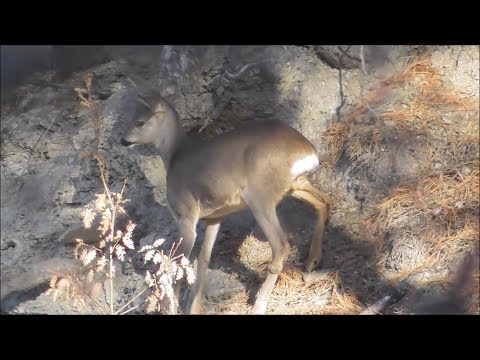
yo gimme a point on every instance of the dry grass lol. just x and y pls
(407, 103)
(255, 254)
(415, 125)
(426, 133)
(433, 221)
(323, 297)
(450, 199)
(235, 305)
(291, 295)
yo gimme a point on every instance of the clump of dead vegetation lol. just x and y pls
(411, 103)
(320, 293)
(98, 260)
(415, 139)
(165, 274)
(450, 199)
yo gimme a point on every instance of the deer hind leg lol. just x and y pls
(203, 261)
(303, 190)
(265, 213)
(187, 229)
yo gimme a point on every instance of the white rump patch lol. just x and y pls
(306, 164)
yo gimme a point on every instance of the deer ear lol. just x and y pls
(145, 102)
(150, 98)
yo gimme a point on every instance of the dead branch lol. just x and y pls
(377, 307)
(236, 75)
(264, 293)
(315, 276)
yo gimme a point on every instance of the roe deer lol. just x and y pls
(254, 166)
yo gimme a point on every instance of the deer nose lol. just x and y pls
(125, 142)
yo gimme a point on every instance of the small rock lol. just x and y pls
(466, 170)
(169, 91)
(321, 300)
(220, 90)
(220, 285)
(127, 268)
(459, 204)
(7, 244)
(147, 240)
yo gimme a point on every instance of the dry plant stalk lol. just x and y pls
(377, 307)
(166, 273)
(86, 100)
(99, 258)
(67, 286)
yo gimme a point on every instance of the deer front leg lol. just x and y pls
(203, 261)
(187, 229)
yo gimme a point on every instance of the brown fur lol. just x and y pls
(248, 167)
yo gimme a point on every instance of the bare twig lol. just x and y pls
(127, 311)
(123, 188)
(362, 57)
(174, 249)
(84, 95)
(98, 304)
(316, 276)
(377, 307)
(362, 84)
(343, 99)
(264, 294)
(110, 256)
(236, 75)
(133, 299)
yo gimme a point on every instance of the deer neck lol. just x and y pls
(168, 146)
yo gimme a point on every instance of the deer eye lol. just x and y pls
(140, 123)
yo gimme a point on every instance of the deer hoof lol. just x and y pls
(311, 264)
(275, 268)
